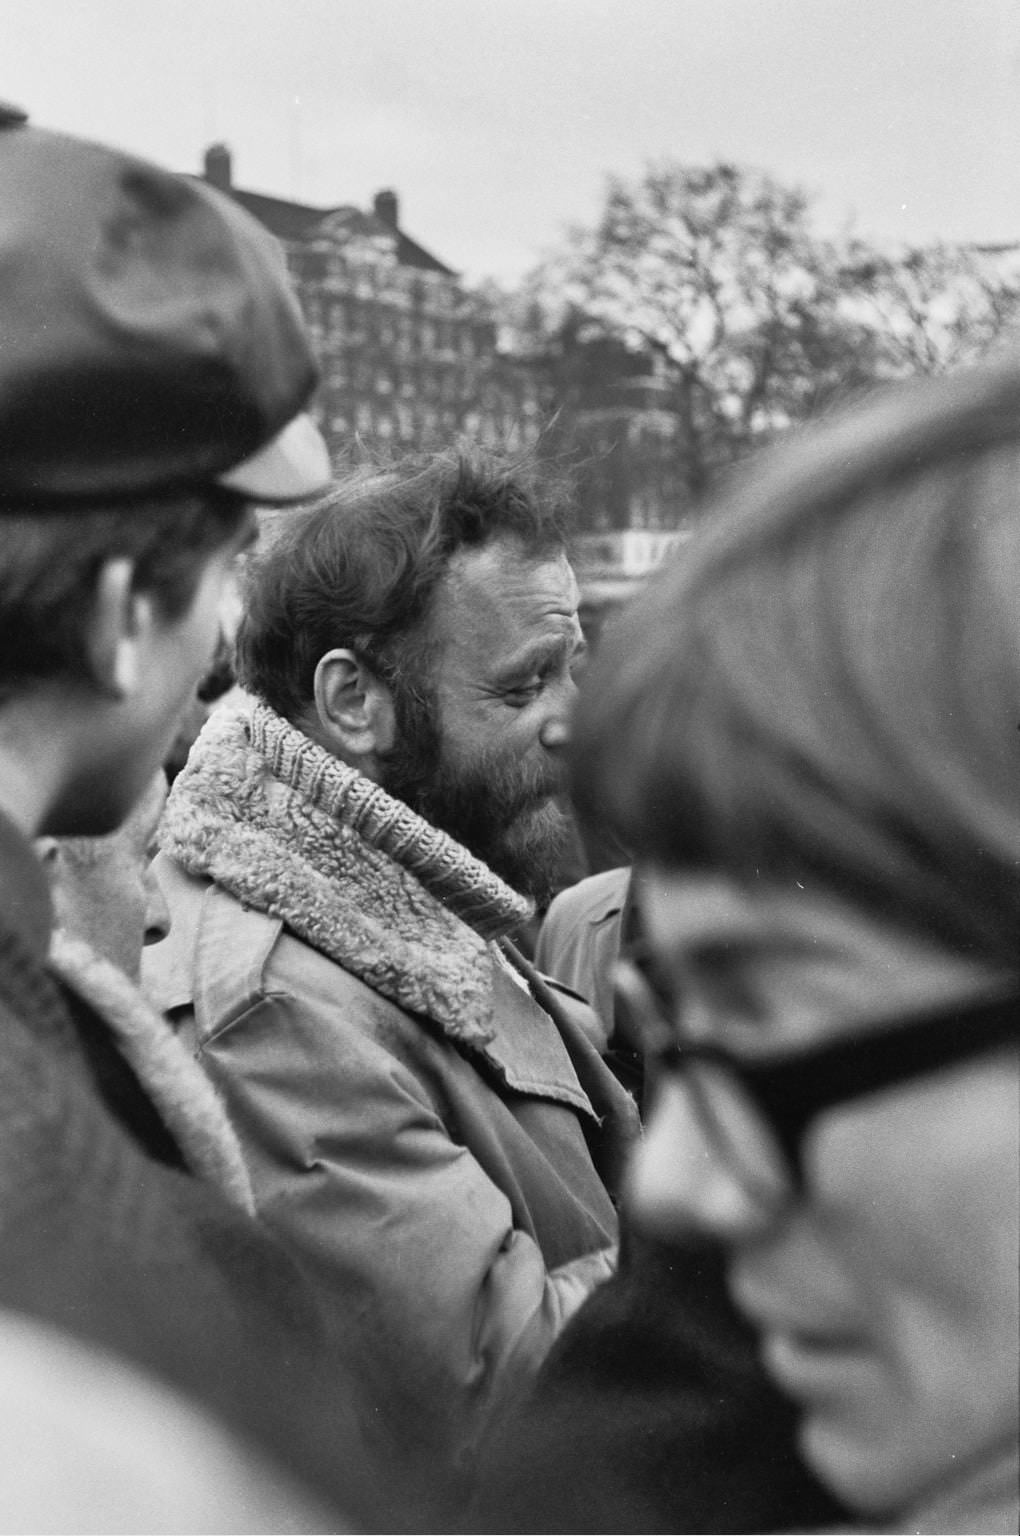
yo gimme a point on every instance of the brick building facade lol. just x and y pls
(408, 354)
(410, 360)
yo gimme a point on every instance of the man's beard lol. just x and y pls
(500, 809)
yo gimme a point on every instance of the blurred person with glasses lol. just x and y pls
(809, 733)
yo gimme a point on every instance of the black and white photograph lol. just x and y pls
(509, 767)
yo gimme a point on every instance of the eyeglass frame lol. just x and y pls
(790, 1088)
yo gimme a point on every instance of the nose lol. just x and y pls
(554, 732)
(157, 912)
(678, 1184)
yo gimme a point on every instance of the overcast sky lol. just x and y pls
(497, 121)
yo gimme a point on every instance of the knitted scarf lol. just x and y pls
(287, 828)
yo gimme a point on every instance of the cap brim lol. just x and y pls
(294, 466)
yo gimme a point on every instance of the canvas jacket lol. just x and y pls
(423, 1128)
(580, 938)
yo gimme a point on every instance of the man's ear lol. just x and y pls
(117, 626)
(354, 709)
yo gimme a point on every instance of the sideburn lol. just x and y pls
(409, 770)
(499, 811)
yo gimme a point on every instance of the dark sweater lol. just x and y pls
(101, 1237)
(652, 1414)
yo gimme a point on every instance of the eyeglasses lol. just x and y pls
(755, 1112)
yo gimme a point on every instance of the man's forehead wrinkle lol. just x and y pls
(499, 574)
(494, 601)
(555, 633)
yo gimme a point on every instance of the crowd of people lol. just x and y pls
(332, 1198)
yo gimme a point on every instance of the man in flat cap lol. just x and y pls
(153, 373)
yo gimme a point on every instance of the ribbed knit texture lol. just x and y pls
(463, 883)
(289, 830)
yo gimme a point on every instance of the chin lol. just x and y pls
(99, 803)
(877, 1471)
(530, 857)
(93, 817)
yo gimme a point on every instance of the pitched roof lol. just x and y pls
(298, 221)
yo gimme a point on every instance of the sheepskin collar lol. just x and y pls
(288, 829)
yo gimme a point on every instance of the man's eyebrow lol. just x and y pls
(544, 649)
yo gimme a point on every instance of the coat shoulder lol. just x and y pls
(216, 956)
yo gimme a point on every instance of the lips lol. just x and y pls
(805, 1343)
(536, 800)
(813, 1366)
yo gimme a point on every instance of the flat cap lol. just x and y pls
(150, 341)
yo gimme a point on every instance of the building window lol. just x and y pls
(405, 423)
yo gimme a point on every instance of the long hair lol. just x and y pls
(826, 689)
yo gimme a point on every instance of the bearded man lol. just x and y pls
(345, 858)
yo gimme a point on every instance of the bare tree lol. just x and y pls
(748, 319)
(932, 307)
(714, 271)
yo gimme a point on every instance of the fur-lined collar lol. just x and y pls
(287, 828)
(178, 1087)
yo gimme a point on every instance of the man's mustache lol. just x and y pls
(530, 796)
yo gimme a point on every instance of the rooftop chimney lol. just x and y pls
(218, 168)
(385, 207)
